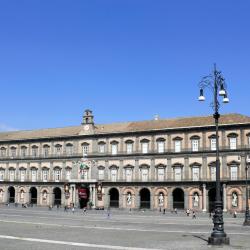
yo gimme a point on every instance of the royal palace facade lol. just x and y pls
(154, 164)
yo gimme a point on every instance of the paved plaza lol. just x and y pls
(39, 228)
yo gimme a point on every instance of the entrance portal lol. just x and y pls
(11, 191)
(57, 196)
(178, 198)
(145, 198)
(83, 194)
(113, 197)
(33, 195)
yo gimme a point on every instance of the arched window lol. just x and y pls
(3, 152)
(85, 148)
(195, 140)
(101, 147)
(177, 144)
(114, 147)
(23, 151)
(232, 139)
(129, 146)
(13, 151)
(160, 145)
(69, 149)
(58, 149)
(144, 146)
(34, 151)
(46, 150)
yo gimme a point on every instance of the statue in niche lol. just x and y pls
(45, 195)
(161, 199)
(22, 195)
(1, 194)
(129, 199)
(234, 200)
(196, 200)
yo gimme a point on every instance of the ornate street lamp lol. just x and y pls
(215, 82)
(247, 215)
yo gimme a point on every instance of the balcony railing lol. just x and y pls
(123, 153)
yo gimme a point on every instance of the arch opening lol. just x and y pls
(178, 198)
(114, 198)
(145, 198)
(11, 194)
(57, 196)
(33, 195)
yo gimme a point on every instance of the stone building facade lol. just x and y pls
(155, 164)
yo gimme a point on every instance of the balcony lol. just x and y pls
(122, 153)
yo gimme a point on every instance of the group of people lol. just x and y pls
(188, 211)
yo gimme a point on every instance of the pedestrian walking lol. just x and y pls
(188, 212)
(84, 210)
(194, 215)
(175, 210)
(164, 211)
(235, 214)
(73, 210)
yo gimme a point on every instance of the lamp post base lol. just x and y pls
(247, 218)
(218, 241)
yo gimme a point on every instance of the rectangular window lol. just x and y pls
(234, 172)
(161, 145)
(113, 174)
(195, 145)
(22, 175)
(177, 174)
(177, 146)
(161, 173)
(144, 147)
(196, 173)
(1, 175)
(33, 175)
(128, 174)
(213, 173)
(34, 151)
(23, 152)
(12, 175)
(232, 142)
(68, 174)
(58, 150)
(57, 174)
(129, 147)
(213, 143)
(69, 149)
(85, 149)
(46, 151)
(100, 174)
(13, 152)
(114, 149)
(45, 175)
(144, 174)
(102, 148)
(3, 152)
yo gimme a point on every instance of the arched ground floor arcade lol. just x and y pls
(155, 197)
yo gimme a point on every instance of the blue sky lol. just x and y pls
(126, 60)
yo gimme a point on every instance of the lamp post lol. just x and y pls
(247, 215)
(215, 81)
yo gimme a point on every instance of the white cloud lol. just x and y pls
(4, 127)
